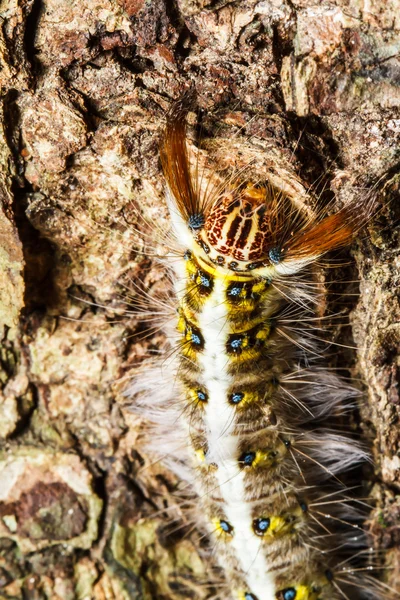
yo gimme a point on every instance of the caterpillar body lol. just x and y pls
(254, 421)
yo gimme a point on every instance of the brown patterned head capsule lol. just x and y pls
(237, 225)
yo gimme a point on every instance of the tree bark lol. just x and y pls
(85, 89)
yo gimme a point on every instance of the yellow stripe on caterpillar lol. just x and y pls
(299, 592)
(201, 455)
(270, 457)
(276, 525)
(249, 344)
(243, 399)
(305, 593)
(258, 322)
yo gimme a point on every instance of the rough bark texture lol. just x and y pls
(85, 87)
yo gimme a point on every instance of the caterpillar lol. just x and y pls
(244, 411)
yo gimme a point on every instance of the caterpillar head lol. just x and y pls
(238, 230)
(241, 227)
(237, 227)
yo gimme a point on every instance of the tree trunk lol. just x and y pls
(85, 89)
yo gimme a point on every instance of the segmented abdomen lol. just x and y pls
(243, 423)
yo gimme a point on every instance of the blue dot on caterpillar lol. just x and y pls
(195, 339)
(225, 526)
(201, 396)
(196, 221)
(236, 398)
(247, 458)
(261, 525)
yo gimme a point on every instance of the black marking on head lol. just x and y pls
(275, 255)
(230, 236)
(196, 222)
(247, 208)
(261, 210)
(246, 459)
(261, 525)
(236, 397)
(225, 526)
(205, 246)
(254, 265)
(242, 241)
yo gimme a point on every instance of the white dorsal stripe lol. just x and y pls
(223, 445)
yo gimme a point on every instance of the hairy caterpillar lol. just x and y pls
(253, 421)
